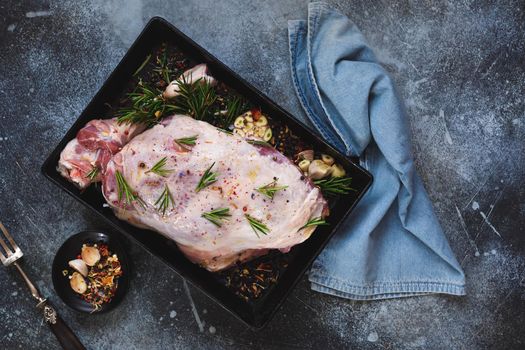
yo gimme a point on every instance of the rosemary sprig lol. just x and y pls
(93, 173)
(163, 69)
(225, 131)
(215, 216)
(125, 191)
(164, 201)
(195, 99)
(159, 168)
(234, 106)
(318, 221)
(147, 107)
(142, 65)
(270, 189)
(259, 143)
(187, 141)
(335, 185)
(207, 178)
(257, 226)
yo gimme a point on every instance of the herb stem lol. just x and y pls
(125, 191)
(269, 190)
(335, 185)
(164, 201)
(159, 168)
(318, 221)
(207, 178)
(215, 216)
(257, 226)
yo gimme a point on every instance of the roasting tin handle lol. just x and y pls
(64, 334)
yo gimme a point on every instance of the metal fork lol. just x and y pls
(64, 334)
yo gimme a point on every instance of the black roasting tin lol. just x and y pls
(289, 267)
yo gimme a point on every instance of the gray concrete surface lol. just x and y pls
(460, 66)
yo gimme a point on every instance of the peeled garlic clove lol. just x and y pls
(80, 266)
(263, 121)
(78, 283)
(304, 164)
(327, 159)
(239, 122)
(90, 255)
(318, 170)
(249, 118)
(308, 155)
(338, 171)
(267, 135)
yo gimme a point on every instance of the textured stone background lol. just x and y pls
(460, 66)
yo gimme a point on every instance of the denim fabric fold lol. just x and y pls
(392, 244)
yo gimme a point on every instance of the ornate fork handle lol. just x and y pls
(64, 334)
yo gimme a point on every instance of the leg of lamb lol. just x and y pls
(173, 201)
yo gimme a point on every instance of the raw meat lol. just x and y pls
(94, 146)
(241, 167)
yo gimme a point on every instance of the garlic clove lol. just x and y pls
(248, 126)
(304, 164)
(80, 266)
(239, 122)
(262, 121)
(327, 159)
(267, 135)
(338, 171)
(78, 283)
(260, 132)
(239, 132)
(249, 118)
(308, 155)
(90, 255)
(318, 169)
(172, 90)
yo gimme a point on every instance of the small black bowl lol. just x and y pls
(69, 251)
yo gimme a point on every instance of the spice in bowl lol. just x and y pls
(94, 274)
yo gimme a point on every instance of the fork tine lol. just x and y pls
(9, 238)
(2, 242)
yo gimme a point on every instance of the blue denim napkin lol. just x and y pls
(392, 244)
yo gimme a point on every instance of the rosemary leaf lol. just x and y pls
(187, 141)
(164, 201)
(215, 216)
(142, 65)
(207, 178)
(257, 226)
(147, 107)
(195, 99)
(259, 143)
(270, 189)
(125, 191)
(318, 221)
(335, 185)
(234, 106)
(159, 168)
(93, 173)
(225, 131)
